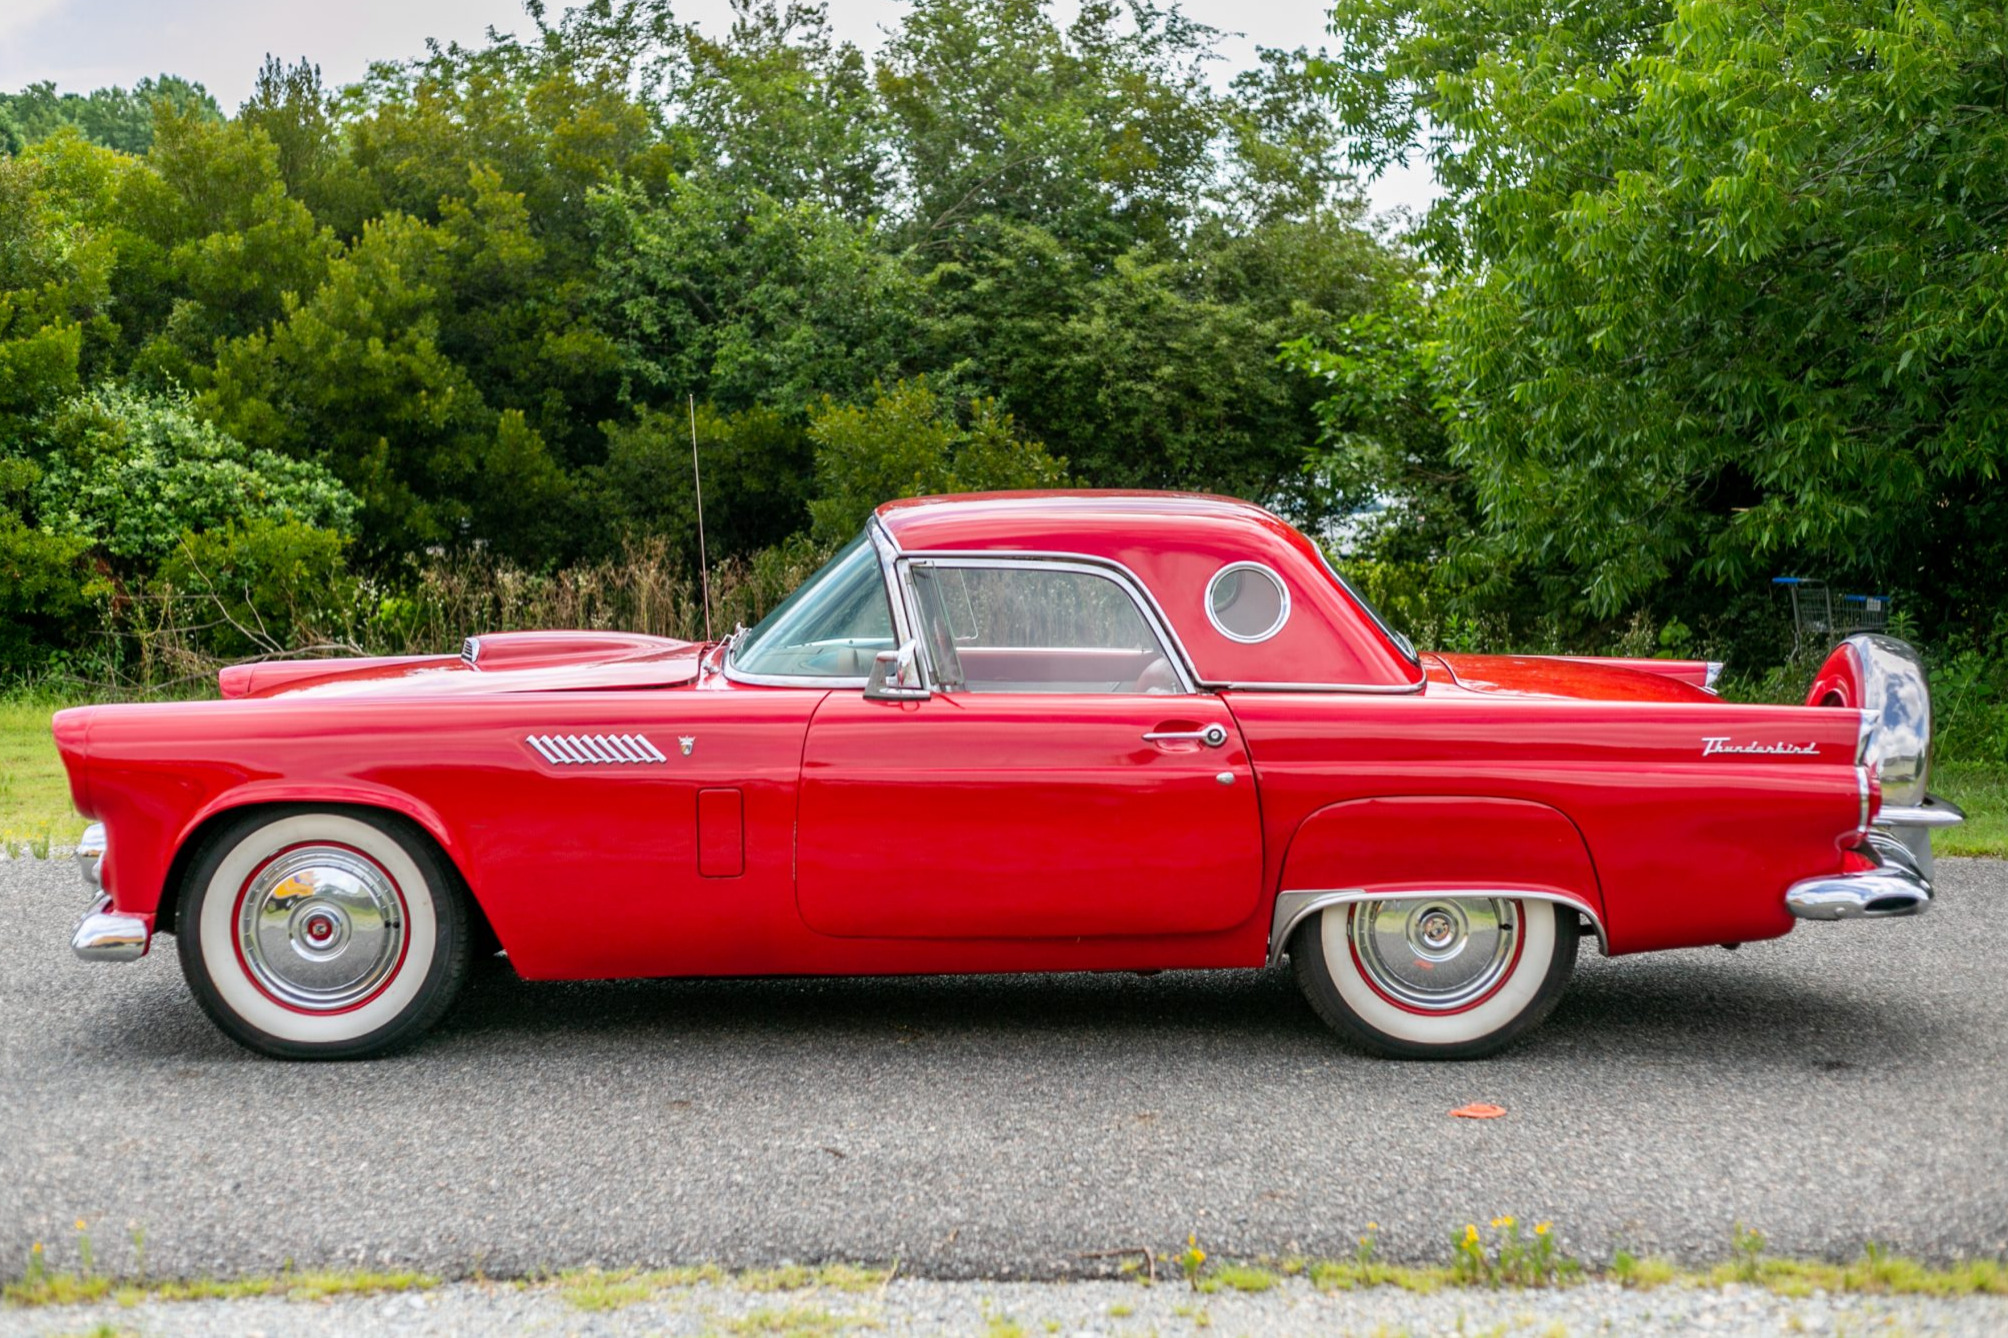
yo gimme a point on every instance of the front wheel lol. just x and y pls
(316, 934)
(1435, 977)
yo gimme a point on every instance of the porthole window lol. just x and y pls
(1247, 602)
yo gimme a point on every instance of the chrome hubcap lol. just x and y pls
(321, 928)
(1435, 954)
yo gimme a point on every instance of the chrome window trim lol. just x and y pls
(1293, 908)
(887, 552)
(1282, 591)
(1124, 579)
(1366, 689)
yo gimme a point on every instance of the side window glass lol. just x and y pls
(1034, 629)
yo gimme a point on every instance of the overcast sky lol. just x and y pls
(86, 44)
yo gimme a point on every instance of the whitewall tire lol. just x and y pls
(322, 933)
(1437, 977)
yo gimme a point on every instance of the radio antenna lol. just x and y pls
(697, 479)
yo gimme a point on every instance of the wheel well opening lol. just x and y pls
(167, 913)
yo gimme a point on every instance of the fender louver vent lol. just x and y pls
(470, 650)
(568, 750)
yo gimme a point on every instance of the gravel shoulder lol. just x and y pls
(1845, 1084)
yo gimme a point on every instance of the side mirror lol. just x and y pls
(895, 676)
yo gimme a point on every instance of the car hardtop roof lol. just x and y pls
(987, 519)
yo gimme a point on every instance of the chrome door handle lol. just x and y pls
(1212, 736)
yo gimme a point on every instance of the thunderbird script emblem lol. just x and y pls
(1721, 744)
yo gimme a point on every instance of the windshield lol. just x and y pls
(831, 627)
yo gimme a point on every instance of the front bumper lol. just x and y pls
(105, 935)
(1900, 883)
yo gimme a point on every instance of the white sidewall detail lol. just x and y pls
(217, 930)
(1511, 999)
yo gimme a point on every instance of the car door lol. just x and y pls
(1064, 779)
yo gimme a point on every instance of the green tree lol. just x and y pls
(911, 442)
(113, 118)
(758, 467)
(745, 300)
(354, 378)
(1725, 280)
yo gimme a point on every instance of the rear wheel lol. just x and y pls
(1435, 977)
(319, 934)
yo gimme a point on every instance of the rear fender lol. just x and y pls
(1410, 845)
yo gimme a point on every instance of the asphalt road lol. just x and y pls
(1847, 1083)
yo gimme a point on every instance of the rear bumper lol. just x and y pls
(1901, 881)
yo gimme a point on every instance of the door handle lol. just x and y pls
(1212, 736)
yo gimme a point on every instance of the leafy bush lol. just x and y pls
(266, 586)
(132, 473)
(41, 591)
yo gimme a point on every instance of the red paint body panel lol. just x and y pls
(1025, 817)
(808, 830)
(1687, 850)
(1411, 843)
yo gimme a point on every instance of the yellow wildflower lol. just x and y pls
(1470, 1233)
(36, 1248)
(80, 1224)
(1373, 1226)
(1542, 1229)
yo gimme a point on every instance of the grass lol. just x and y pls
(41, 1288)
(794, 1322)
(1982, 790)
(600, 1289)
(1875, 1273)
(1238, 1278)
(35, 811)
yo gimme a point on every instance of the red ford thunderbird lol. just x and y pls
(1013, 732)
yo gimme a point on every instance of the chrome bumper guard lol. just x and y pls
(104, 935)
(1900, 884)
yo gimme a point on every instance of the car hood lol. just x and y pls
(1554, 676)
(504, 662)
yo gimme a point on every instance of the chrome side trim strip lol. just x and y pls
(103, 935)
(1293, 908)
(1369, 689)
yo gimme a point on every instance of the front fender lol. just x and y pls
(1402, 845)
